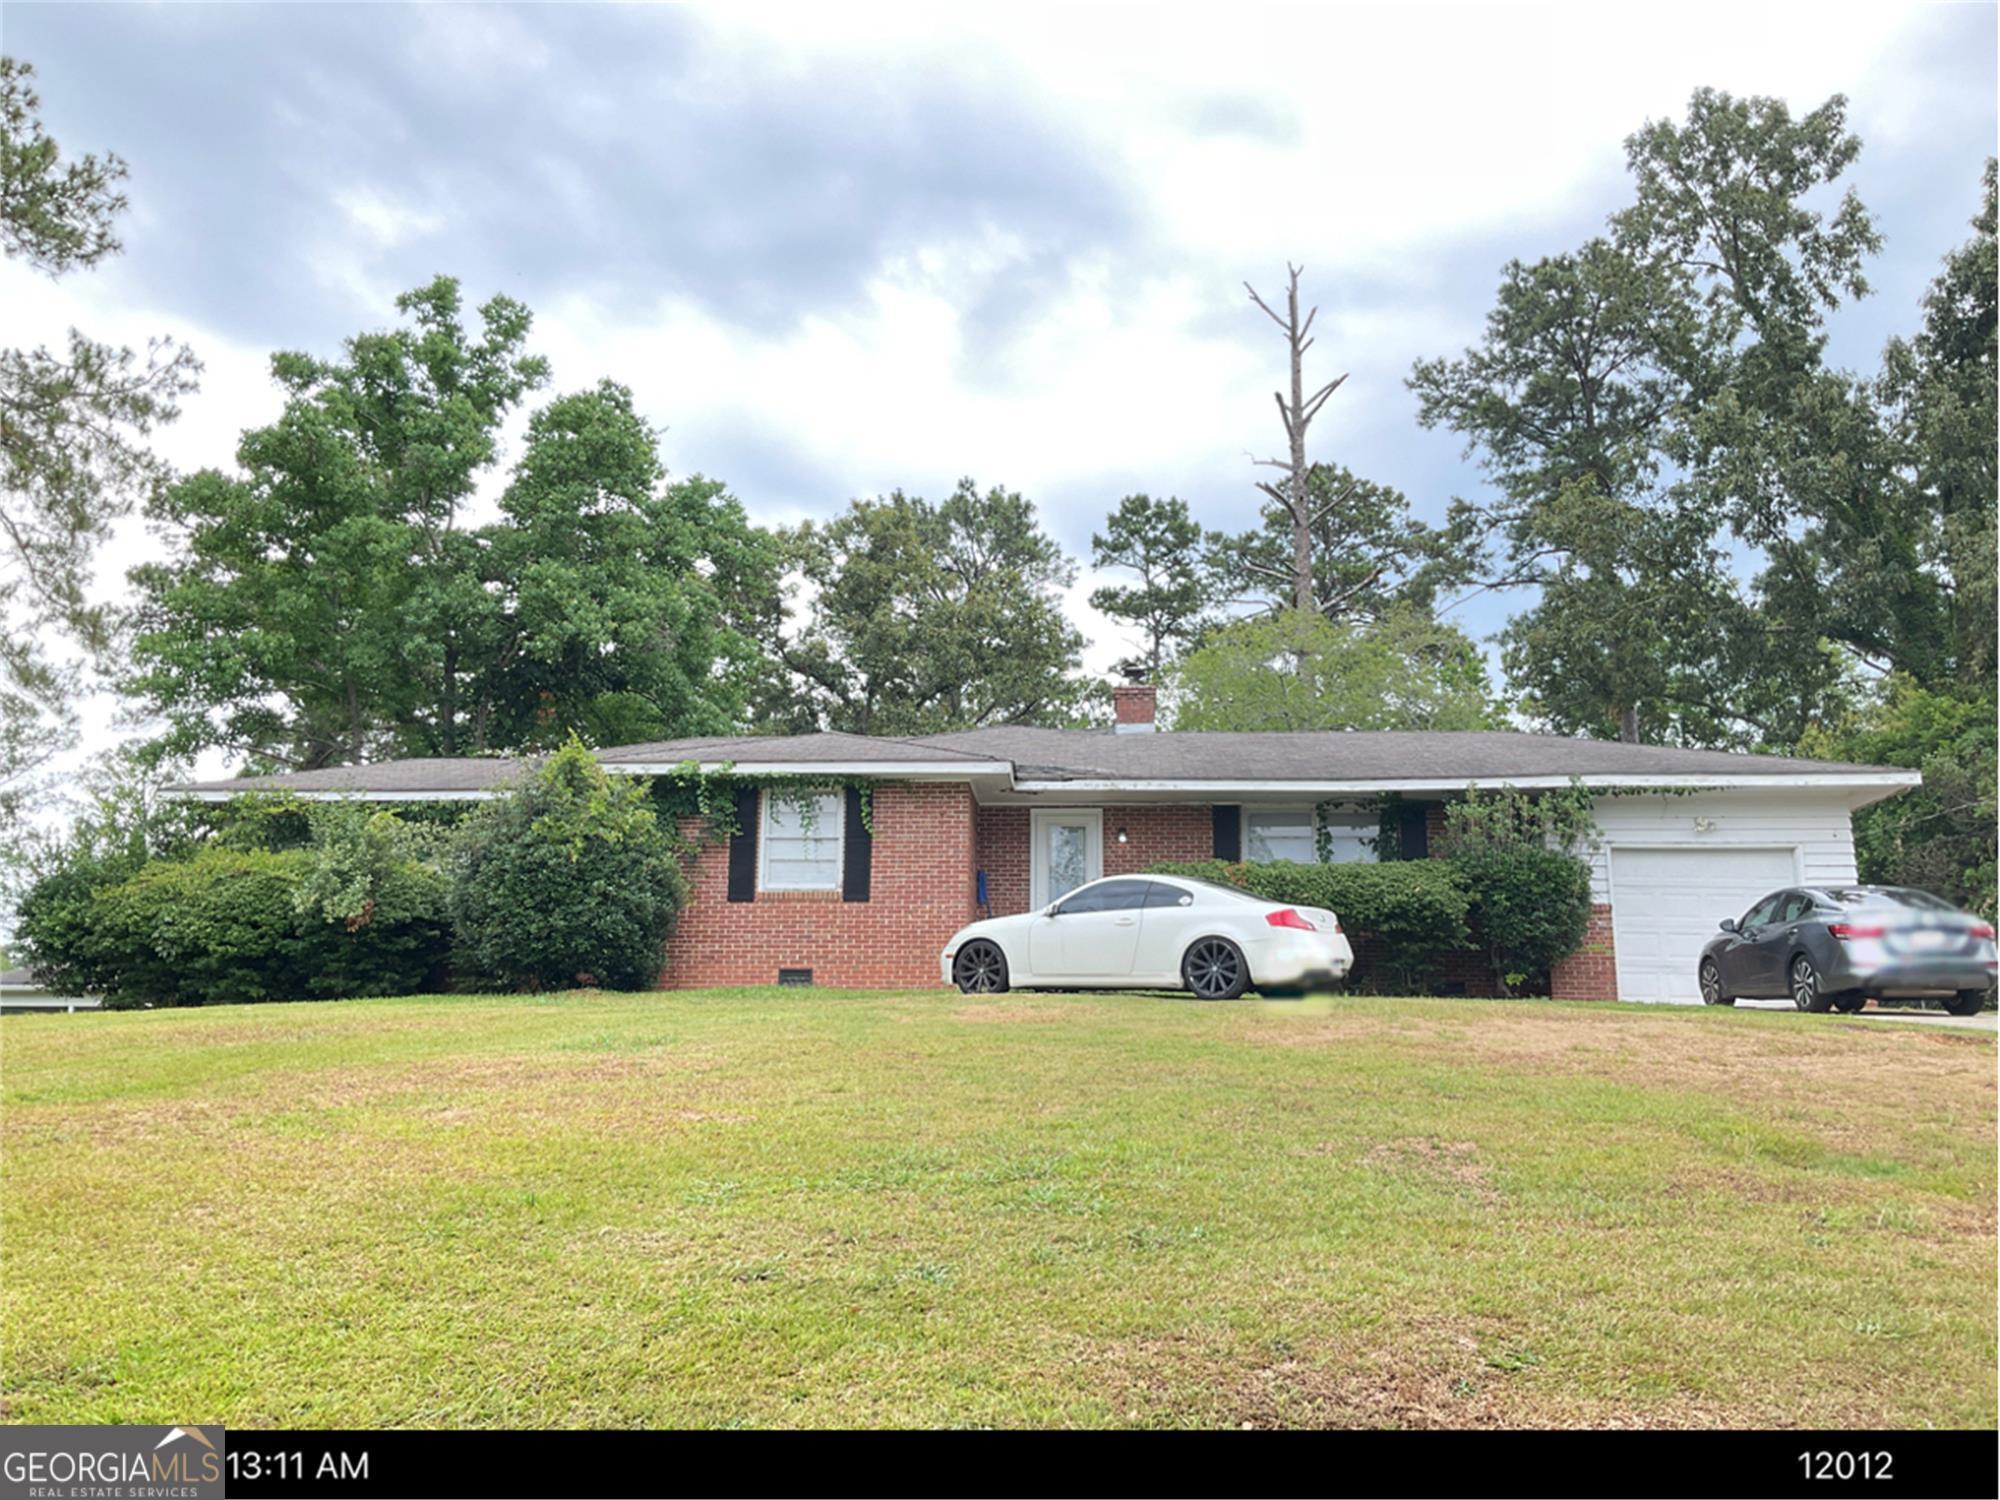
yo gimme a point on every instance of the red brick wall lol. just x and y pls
(1590, 973)
(929, 840)
(1460, 971)
(1157, 833)
(1153, 834)
(1000, 848)
(1433, 826)
(920, 893)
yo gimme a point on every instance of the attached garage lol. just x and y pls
(1665, 904)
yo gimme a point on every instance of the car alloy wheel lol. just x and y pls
(1214, 970)
(1711, 984)
(980, 969)
(1805, 986)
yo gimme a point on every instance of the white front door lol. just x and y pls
(1666, 904)
(1068, 851)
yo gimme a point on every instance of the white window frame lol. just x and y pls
(1310, 813)
(838, 819)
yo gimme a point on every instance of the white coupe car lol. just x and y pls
(1152, 932)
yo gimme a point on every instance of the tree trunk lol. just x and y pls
(1628, 724)
(448, 704)
(1295, 427)
(354, 725)
(1297, 414)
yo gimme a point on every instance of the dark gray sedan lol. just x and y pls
(1836, 947)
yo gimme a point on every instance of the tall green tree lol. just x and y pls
(309, 598)
(1568, 400)
(1665, 382)
(1177, 588)
(1370, 554)
(333, 601)
(624, 606)
(73, 430)
(1905, 579)
(1640, 630)
(1729, 197)
(1299, 670)
(1940, 836)
(1906, 556)
(920, 617)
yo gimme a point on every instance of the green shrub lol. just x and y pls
(1522, 861)
(228, 927)
(568, 880)
(1416, 909)
(1530, 907)
(218, 929)
(122, 825)
(232, 920)
(56, 918)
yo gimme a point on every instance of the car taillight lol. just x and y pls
(1289, 918)
(1980, 930)
(1846, 930)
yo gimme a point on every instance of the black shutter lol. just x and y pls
(743, 847)
(858, 844)
(1413, 834)
(1228, 832)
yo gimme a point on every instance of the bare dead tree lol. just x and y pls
(1297, 414)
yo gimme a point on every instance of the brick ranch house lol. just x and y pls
(989, 822)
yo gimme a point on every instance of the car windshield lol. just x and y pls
(1889, 895)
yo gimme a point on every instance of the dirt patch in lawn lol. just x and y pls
(1453, 1163)
(653, 1086)
(1443, 1376)
(1749, 1063)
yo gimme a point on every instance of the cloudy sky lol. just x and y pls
(837, 249)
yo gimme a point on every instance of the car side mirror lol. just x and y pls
(1051, 909)
(1728, 924)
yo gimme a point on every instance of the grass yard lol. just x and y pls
(768, 1208)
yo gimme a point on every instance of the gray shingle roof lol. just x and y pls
(1335, 755)
(406, 777)
(1054, 755)
(783, 749)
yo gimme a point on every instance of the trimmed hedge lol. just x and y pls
(225, 927)
(1417, 909)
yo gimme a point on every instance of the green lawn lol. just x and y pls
(774, 1208)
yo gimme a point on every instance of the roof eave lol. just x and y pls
(915, 770)
(1000, 771)
(1594, 781)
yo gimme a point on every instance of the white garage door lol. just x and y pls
(1665, 904)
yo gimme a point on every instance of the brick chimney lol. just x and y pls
(1133, 705)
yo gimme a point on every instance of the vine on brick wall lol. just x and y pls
(687, 791)
(1388, 840)
(1322, 827)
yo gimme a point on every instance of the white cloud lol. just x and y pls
(383, 221)
(1371, 141)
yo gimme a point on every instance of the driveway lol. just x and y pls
(1986, 1020)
